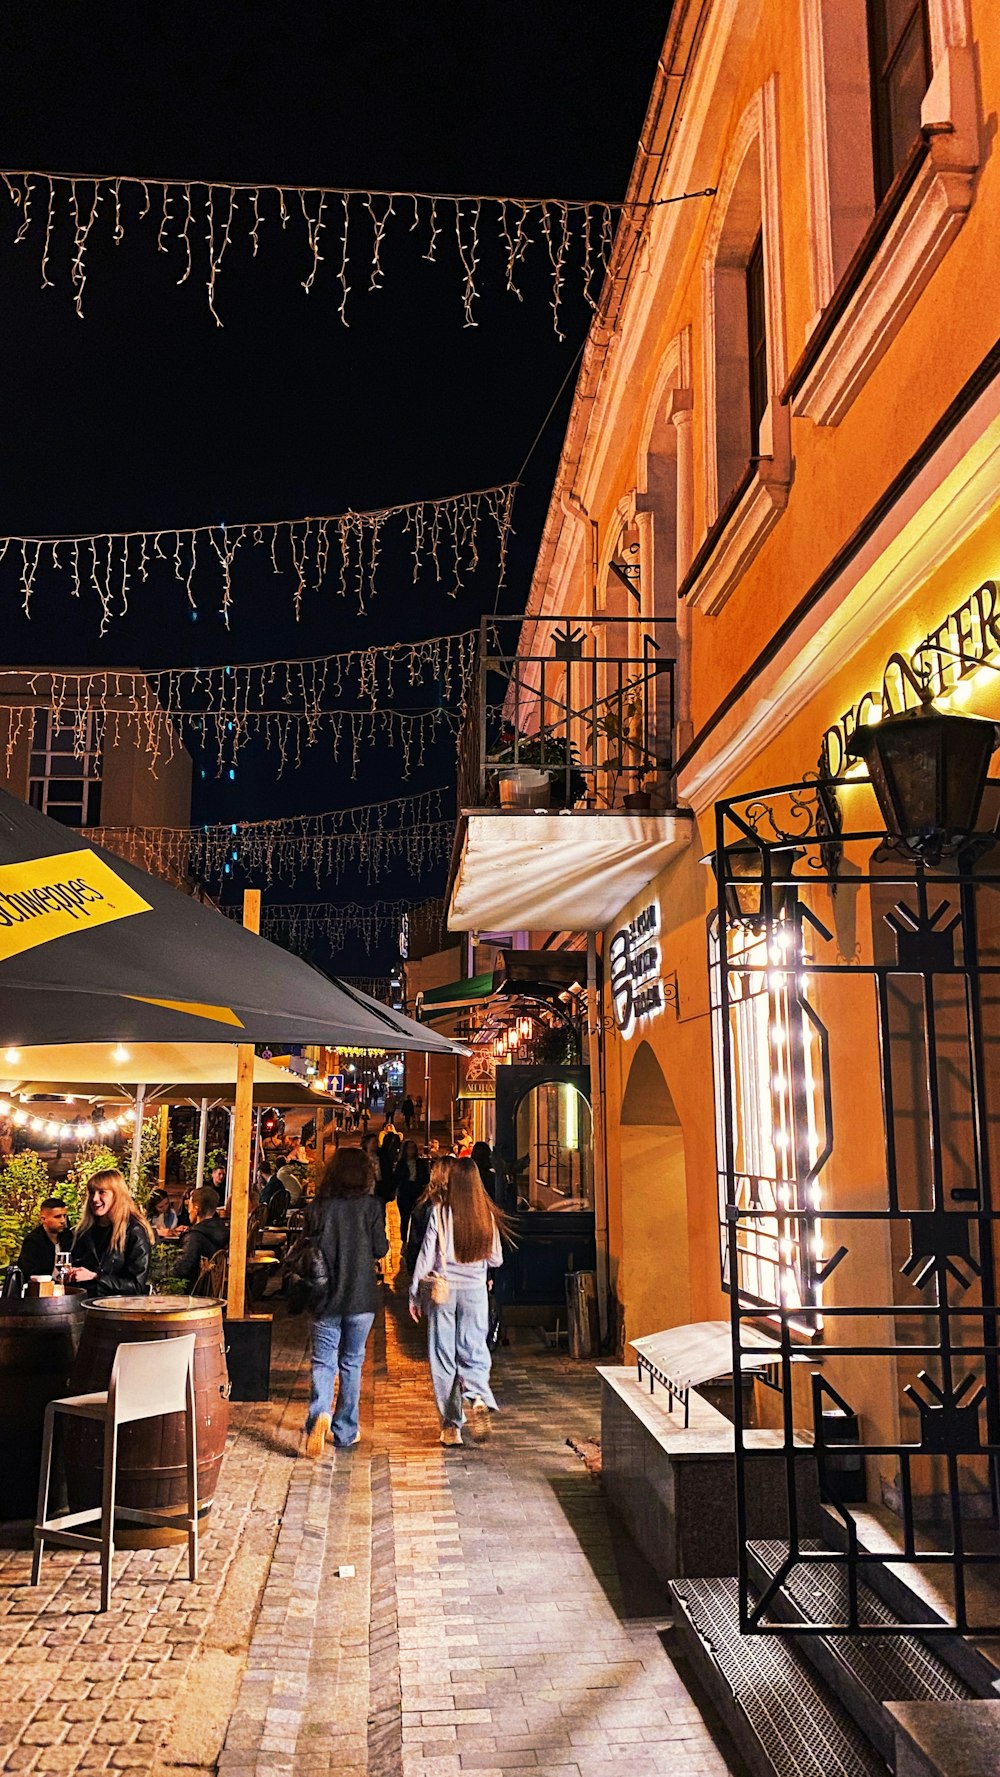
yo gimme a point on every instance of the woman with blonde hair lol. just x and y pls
(113, 1239)
(461, 1244)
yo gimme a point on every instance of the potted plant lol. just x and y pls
(616, 740)
(641, 798)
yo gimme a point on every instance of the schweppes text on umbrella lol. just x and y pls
(46, 898)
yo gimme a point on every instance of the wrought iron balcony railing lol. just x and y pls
(582, 711)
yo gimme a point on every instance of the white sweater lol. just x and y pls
(438, 1242)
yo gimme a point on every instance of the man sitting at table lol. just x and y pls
(53, 1234)
(208, 1235)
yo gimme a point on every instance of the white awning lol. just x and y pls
(570, 870)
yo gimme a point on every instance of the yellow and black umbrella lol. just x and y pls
(94, 950)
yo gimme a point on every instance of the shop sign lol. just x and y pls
(478, 1075)
(969, 638)
(634, 970)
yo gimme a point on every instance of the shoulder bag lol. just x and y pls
(438, 1286)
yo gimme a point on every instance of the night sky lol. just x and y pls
(145, 414)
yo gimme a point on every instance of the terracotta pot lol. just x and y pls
(638, 800)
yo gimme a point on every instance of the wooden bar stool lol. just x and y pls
(148, 1379)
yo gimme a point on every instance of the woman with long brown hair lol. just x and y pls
(346, 1225)
(461, 1245)
(113, 1240)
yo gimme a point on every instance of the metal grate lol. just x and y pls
(894, 1669)
(803, 1731)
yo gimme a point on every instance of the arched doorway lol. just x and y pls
(654, 1283)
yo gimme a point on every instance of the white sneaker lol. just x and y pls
(450, 1436)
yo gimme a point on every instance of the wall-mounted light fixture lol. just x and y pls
(928, 770)
(744, 876)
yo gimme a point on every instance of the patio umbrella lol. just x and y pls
(203, 1074)
(93, 949)
(172, 1073)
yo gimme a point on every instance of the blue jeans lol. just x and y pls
(338, 1347)
(458, 1351)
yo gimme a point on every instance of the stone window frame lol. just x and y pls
(869, 266)
(738, 522)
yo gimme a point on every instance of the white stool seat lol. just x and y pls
(89, 1406)
(148, 1380)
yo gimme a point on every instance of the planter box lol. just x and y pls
(248, 1357)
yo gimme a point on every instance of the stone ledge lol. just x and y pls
(675, 1488)
(947, 1739)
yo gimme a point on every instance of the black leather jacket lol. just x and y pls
(124, 1273)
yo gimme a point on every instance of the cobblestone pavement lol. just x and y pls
(152, 1682)
(496, 1620)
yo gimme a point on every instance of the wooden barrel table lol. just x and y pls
(38, 1341)
(151, 1465)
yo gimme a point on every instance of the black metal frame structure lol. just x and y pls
(547, 704)
(880, 1270)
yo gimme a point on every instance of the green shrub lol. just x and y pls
(24, 1185)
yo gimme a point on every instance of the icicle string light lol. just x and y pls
(575, 233)
(297, 925)
(339, 551)
(370, 838)
(189, 210)
(293, 704)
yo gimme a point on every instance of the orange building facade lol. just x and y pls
(782, 464)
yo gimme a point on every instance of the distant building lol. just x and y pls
(81, 767)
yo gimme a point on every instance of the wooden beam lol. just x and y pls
(239, 1184)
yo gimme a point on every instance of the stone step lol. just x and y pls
(786, 1721)
(865, 1671)
(923, 1591)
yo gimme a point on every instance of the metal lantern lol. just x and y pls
(928, 771)
(744, 879)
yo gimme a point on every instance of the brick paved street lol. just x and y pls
(495, 1621)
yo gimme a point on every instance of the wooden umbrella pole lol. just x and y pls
(140, 1108)
(239, 1184)
(199, 1177)
(161, 1171)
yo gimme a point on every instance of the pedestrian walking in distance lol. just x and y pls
(410, 1181)
(461, 1244)
(346, 1226)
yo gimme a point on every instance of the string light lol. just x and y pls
(275, 850)
(197, 220)
(291, 704)
(59, 1132)
(338, 552)
(297, 925)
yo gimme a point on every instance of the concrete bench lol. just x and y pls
(675, 1487)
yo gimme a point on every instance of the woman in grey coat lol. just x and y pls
(347, 1225)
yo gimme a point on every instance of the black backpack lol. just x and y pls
(307, 1279)
(278, 1205)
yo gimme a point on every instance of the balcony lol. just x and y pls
(566, 791)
